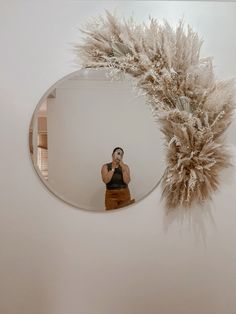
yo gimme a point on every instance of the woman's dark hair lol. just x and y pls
(117, 149)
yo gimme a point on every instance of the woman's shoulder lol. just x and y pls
(126, 165)
(107, 164)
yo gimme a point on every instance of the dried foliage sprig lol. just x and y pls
(192, 107)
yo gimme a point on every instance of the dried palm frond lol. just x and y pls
(193, 109)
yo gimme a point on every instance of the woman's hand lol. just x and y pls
(115, 164)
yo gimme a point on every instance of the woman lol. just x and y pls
(116, 176)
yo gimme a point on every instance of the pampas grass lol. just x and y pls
(192, 108)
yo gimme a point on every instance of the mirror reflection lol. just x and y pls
(94, 142)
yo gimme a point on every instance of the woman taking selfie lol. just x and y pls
(116, 176)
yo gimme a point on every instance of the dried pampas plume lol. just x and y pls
(192, 107)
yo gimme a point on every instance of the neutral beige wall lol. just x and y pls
(55, 259)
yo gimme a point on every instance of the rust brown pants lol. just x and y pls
(117, 198)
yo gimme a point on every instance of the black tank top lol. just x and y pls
(116, 181)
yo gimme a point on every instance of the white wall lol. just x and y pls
(55, 259)
(89, 117)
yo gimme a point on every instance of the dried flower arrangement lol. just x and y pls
(192, 108)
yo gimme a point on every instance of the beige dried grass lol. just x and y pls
(192, 107)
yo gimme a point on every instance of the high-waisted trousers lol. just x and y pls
(117, 198)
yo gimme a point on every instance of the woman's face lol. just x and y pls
(118, 154)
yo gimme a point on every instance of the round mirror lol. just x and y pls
(94, 142)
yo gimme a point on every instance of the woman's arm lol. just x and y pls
(125, 172)
(106, 175)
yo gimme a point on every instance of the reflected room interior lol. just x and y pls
(74, 129)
